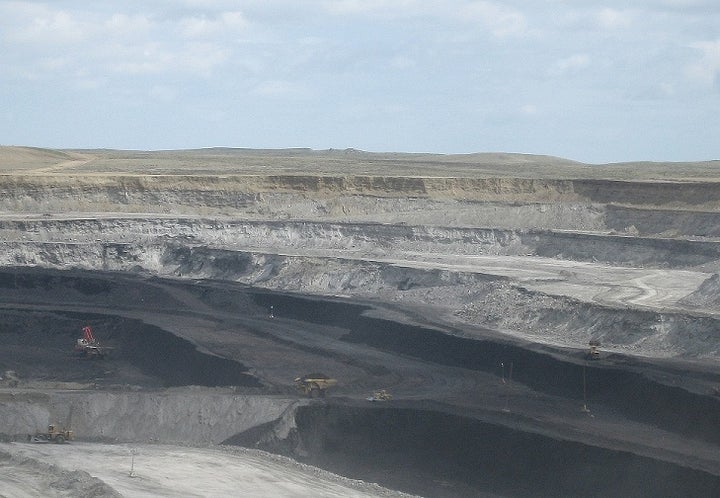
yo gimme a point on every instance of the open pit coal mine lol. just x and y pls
(469, 288)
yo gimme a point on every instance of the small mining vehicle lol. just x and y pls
(52, 435)
(594, 351)
(9, 379)
(314, 384)
(88, 346)
(381, 395)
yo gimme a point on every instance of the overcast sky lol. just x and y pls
(595, 81)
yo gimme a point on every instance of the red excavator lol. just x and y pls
(88, 346)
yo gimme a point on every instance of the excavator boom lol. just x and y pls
(88, 346)
(88, 334)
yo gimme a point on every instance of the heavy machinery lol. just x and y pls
(88, 346)
(52, 435)
(381, 395)
(314, 384)
(9, 379)
(594, 351)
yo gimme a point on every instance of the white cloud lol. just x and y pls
(464, 55)
(39, 24)
(609, 18)
(165, 93)
(86, 84)
(152, 58)
(202, 26)
(205, 5)
(125, 26)
(570, 64)
(385, 8)
(139, 59)
(685, 4)
(707, 69)
(114, 42)
(667, 89)
(590, 20)
(200, 58)
(402, 62)
(499, 19)
(198, 26)
(53, 63)
(529, 109)
(502, 21)
(275, 88)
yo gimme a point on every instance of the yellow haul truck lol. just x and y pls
(314, 384)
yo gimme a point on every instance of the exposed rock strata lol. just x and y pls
(487, 257)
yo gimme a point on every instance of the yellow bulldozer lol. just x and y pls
(52, 435)
(314, 384)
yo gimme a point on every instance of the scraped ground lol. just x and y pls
(158, 470)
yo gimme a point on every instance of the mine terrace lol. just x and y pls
(366, 324)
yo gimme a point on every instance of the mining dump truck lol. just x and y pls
(88, 346)
(52, 435)
(314, 384)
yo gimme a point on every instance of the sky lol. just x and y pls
(593, 81)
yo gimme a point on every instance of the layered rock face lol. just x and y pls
(539, 248)
(469, 286)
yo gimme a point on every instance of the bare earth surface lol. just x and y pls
(158, 470)
(468, 286)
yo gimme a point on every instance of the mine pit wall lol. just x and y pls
(576, 322)
(431, 450)
(668, 222)
(631, 391)
(491, 202)
(635, 389)
(627, 390)
(443, 455)
(477, 299)
(648, 193)
(188, 189)
(185, 415)
(349, 239)
(624, 249)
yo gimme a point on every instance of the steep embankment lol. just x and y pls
(184, 416)
(635, 294)
(230, 194)
(569, 254)
(536, 247)
(437, 454)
